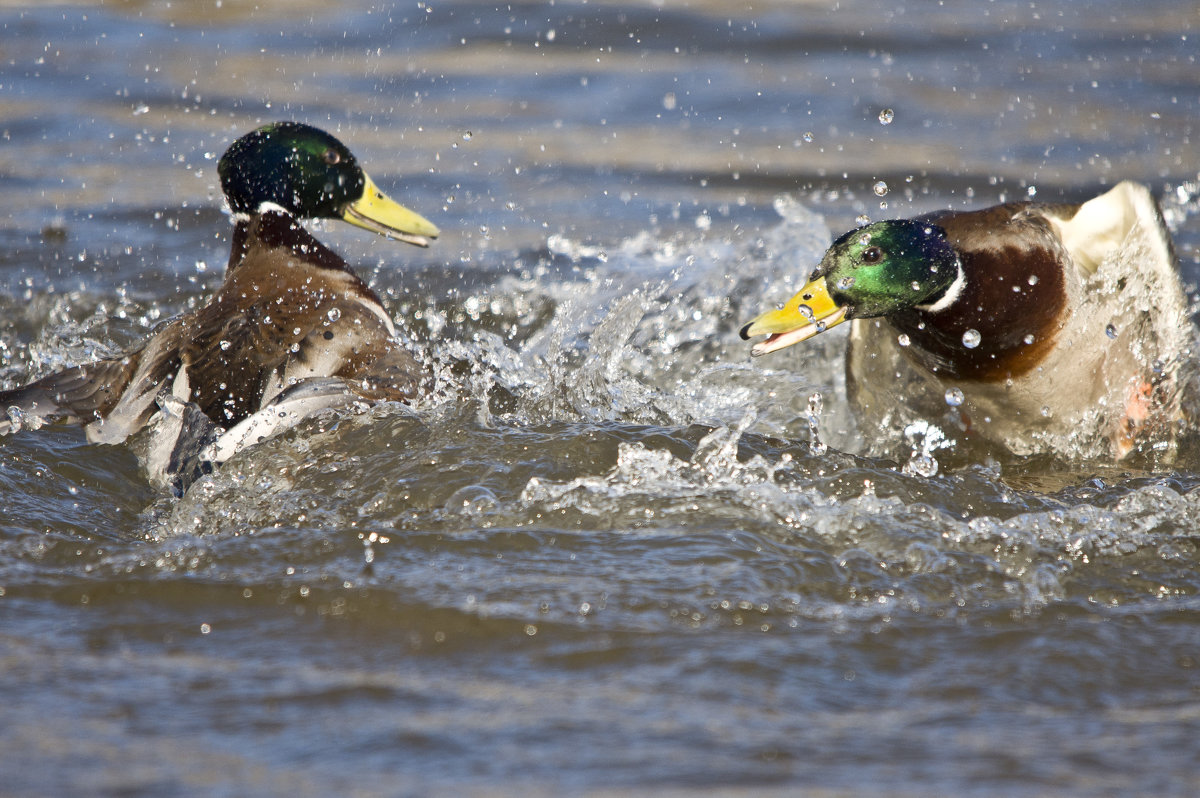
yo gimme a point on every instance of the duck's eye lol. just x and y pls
(332, 157)
(872, 255)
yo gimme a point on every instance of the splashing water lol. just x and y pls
(815, 403)
(578, 536)
(924, 439)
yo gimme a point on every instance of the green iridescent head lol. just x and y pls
(876, 270)
(311, 175)
(887, 267)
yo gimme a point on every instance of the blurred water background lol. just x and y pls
(606, 557)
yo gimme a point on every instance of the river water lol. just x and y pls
(608, 556)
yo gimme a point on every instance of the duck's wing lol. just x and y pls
(1098, 228)
(176, 433)
(289, 408)
(183, 444)
(75, 395)
(112, 398)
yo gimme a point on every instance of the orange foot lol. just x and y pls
(1138, 403)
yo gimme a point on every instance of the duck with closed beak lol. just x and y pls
(291, 330)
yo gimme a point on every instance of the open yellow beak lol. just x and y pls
(376, 212)
(809, 312)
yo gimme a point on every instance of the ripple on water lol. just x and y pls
(600, 487)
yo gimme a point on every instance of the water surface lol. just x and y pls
(606, 556)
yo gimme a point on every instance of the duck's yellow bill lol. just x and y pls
(809, 312)
(377, 212)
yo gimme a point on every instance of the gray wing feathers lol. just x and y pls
(76, 395)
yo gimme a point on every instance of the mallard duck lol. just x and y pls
(291, 329)
(1037, 327)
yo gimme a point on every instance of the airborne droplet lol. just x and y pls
(1111, 331)
(880, 188)
(971, 339)
(334, 314)
(886, 116)
(903, 340)
(954, 397)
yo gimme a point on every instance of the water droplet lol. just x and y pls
(1111, 331)
(922, 465)
(225, 345)
(903, 340)
(815, 405)
(916, 286)
(334, 314)
(864, 239)
(954, 397)
(808, 137)
(1046, 411)
(886, 116)
(806, 312)
(16, 418)
(862, 219)
(971, 339)
(1033, 279)
(1028, 338)
(467, 136)
(880, 188)
(473, 500)
(845, 283)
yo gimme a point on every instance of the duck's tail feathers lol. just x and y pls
(78, 395)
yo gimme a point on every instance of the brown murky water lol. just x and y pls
(617, 565)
